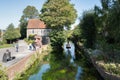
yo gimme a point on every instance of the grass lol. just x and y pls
(5, 45)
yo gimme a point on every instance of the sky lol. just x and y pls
(12, 10)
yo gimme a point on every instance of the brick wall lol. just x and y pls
(18, 67)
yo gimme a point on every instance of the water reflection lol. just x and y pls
(84, 72)
(79, 71)
(42, 70)
(71, 52)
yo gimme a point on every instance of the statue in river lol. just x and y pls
(68, 45)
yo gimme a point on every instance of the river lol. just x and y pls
(38, 76)
(84, 71)
(71, 51)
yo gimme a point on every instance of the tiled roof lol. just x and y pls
(35, 24)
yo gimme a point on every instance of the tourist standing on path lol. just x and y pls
(16, 46)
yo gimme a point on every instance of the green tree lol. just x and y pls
(57, 14)
(108, 20)
(88, 29)
(57, 39)
(11, 33)
(102, 16)
(114, 21)
(30, 12)
(76, 35)
(0, 33)
(23, 28)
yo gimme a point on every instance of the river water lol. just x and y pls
(38, 76)
(71, 51)
(83, 73)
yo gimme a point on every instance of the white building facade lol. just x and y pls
(37, 27)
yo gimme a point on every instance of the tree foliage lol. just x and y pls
(88, 29)
(57, 14)
(29, 12)
(11, 33)
(76, 35)
(108, 18)
(23, 29)
(114, 21)
(57, 39)
(0, 33)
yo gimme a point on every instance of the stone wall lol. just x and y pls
(105, 75)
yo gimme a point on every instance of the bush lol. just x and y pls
(31, 37)
(28, 40)
(112, 68)
(1, 43)
(3, 75)
(25, 39)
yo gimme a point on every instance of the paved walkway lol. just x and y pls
(23, 52)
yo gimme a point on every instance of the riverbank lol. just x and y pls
(24, 63)
(106, 75)
(89, 72)
(65, 68)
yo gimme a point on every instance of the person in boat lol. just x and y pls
(68, 45)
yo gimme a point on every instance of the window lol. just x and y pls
(33, 31)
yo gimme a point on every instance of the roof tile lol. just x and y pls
(36, 24)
